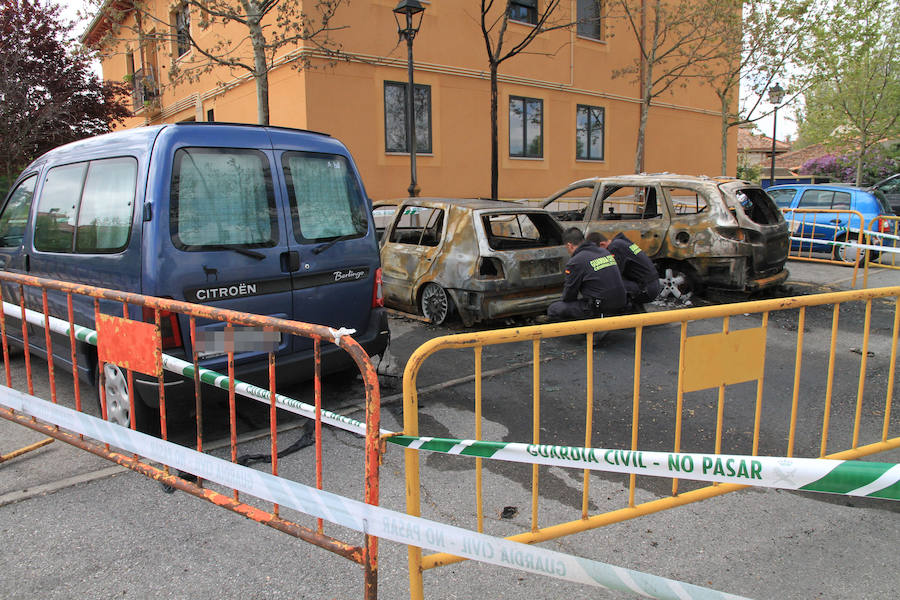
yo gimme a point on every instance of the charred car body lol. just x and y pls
(483, 259)
(722, 233)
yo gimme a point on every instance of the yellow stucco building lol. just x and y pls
(581, 121)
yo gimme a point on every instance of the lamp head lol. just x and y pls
(776, 94)
(408, 9)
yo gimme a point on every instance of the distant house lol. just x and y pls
(756, 150)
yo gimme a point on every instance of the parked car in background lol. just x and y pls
(832, 227)
(890, 187)
(481, 259)
(722, 233)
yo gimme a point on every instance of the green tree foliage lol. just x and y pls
(773, 34)
(48, 93)
(856, 100)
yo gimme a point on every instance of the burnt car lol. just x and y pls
(700, 231)
(481, 259)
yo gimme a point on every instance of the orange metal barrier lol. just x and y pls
(809, 408)
(138, 346)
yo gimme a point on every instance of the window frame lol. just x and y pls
(529, 6)
(588, 145)
(597, 23)
(181, 16)
(525, 142)
(429, 149)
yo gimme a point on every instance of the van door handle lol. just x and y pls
(290, 261)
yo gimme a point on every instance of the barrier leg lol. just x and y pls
(21, 451)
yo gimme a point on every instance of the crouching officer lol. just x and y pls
(593, 284)
(638, 271)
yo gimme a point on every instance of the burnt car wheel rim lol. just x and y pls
(676, 284)
(117, 407)
(435, 304)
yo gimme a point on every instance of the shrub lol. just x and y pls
(878, 163)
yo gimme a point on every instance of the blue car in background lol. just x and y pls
(832, 227)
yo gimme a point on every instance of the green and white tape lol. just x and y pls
(851, 478)
(848, 477)
(359, 516)
(185, 368)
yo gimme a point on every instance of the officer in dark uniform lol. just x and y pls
(593, 284)
(638, 271)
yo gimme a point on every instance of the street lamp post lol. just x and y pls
(409, 9)
(776, 95)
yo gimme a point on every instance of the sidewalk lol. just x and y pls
(838, 277)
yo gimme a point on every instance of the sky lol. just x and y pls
(785, 126)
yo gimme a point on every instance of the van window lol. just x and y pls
(326, 202)
(54, 228)
(15, 214)
(222, 197)
(107, 205)
(87, 207)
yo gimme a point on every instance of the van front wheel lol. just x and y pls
(118, 409)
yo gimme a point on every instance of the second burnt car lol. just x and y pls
(481, 259)
(700, 231)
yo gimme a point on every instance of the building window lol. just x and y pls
(589, 126)
(182, 20)
(590, 24)
(526, 127)
(210, 115)
(395, 117)
(523, 10)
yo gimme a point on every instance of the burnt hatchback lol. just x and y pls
(479, 258)
(700, 231)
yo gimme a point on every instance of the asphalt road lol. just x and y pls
(73, 526)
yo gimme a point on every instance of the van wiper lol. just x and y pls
(327, 245)
(244, 251)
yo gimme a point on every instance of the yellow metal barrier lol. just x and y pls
(726, 353)
(817, 232)
(882, 231)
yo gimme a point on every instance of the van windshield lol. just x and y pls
(326, 202)
(221, 198)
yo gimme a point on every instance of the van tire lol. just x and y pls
(117, 406)
(435, 303)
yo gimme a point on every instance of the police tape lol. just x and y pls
(847, 477)
(359, 516)
(852, 478)
(214, 378)
(851, 245)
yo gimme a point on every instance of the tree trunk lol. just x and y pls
(642, 130)
(495, 141)
(859, 162)
(260, 71)
(724, 130)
